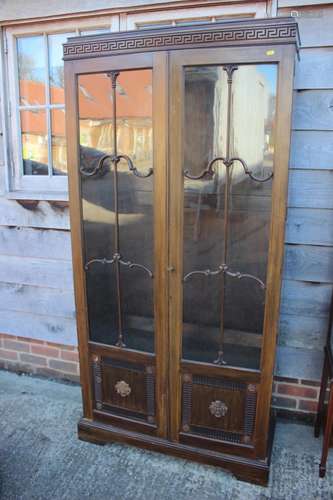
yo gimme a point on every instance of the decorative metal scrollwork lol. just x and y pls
(210, 172)
(223, 268)
(115, 160)
(117, 258)
(122, 388)
(218, 408)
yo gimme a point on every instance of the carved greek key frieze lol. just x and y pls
(154, 41)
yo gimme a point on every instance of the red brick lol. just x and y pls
(286, 379)
(62, 346)
(306, 405)
(63, 366)
(16, 345)
(33, 360)
(5, 354)
(297, 390)
(70, 356)
(8, 336)
(284, 402)
(313, 383)
(50, 373)
(45, 350)
(31, 341)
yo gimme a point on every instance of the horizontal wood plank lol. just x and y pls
(311, 149)
(43, 214)
(302, 331)
(305, 299)
(314, 69)
(35, 242)
(310, 189)
(37, 300)
(313, 110)
(38, 272)
(308, 263)
(299, 363)
(309, 226)
(314, 24)
(41, 327)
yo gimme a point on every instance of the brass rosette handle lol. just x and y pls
(218, 408)
(122, 388)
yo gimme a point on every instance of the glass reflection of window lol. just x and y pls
(41, 102)
(227, 208)
(134, 123)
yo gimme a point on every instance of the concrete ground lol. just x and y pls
(41, 457)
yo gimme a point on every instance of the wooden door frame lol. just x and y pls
(157, 61)
(283, 56)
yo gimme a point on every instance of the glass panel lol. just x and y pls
(31, 70)
(56, 66)
(94, 31)
(34, 142)
(58, 137)
(133, 195)
(229, 114)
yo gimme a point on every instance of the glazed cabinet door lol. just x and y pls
(121, 193)
(222, 172)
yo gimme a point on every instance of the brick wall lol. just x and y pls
(39, 357)
(293, 396)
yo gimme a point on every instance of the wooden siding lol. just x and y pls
(308, 267)
(36, 291)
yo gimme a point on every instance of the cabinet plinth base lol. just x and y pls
(252, 470)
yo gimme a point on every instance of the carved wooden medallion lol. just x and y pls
(218, 409)
(123, 388)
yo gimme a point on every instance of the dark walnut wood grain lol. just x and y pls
(145, 393)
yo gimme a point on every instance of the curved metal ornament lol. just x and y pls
(117, 258)
(116, 159)
(123, 388)
(223, 268)
(248, 171)
(210, 172)
(97, 169)
(218, 408)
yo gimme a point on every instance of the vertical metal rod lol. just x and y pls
(229, 69)
(114, 75)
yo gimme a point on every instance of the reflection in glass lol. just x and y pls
(58, 138)
(31, 70)
(34, 142)
(135, 205)
(221, 305)
(56, 66)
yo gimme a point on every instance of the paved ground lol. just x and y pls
(41, 458)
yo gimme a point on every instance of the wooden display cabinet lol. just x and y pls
(178, 148)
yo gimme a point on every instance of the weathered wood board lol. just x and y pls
(312, 149)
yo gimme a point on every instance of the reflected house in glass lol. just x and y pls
(178, 196)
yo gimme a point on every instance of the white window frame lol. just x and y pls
(208, 14)
(50, 187)
(43, 187)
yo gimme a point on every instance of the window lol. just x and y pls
(37, 110)
(36, 149)
(198, 15)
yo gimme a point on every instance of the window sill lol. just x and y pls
(41, 196)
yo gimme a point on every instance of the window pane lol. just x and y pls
(59, 157)
(34, 142)
(56, 67)
(31, 70)
(94, 31)
(129, 309)
(227, 214)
